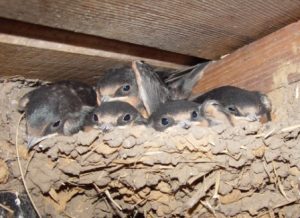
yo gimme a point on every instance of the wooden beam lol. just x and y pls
(41, 52)
(264, 65)
(206, 29)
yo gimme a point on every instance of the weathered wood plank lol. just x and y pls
(45, 53)
(206, 29)
(264, 65)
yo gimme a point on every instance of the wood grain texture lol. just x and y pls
(42, 52)
(264, 65)
(206, 29)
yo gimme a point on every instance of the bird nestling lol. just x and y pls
(119, 85)
(177, 113)
(242, 104)
(216, 114)
(113, 114)
(58, 108)
(153, 91)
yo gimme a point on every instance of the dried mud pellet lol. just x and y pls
(164, 187)
(53, 153)
(66, 148)
(237, 163)
(103, 181)
(272, 154)
(233, 147)
(129, 142)
(74, 154)
(116, 142)
(294, 171)
(86, 138)
(153, 179)
(198, 132)
(274, 142)
(140, 140)
(225, 188)
(3, 172)
(259, 152)
(82, 149)
(218, 147)
(282, 171)
(258, 167)
(219, 128)
(69, 166)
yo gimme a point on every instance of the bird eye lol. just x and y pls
(164, 121)
(194, 114)
(127, 117)
(95, 117)
(231, 108)
(126, 88)
(56, 124)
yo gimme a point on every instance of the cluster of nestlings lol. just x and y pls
(136, 95)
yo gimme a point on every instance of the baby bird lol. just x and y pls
(58, 108)
(113, 114)
(177, 113)
(119, 85)
(215, 113)
(243, 104)
(153, 91)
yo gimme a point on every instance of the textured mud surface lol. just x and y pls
(251, 170)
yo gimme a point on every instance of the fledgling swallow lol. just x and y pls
(214, 112)
(153, 91)
(109, 115)
(177, 113)
(119, 85)
(243, 104)
(58, 108)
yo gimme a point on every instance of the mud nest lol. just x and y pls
(250, 170)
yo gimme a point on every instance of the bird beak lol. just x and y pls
(252, 118)
(106, 127)
(106, 98)
(185, 124)
(249, 118)
(32, 140)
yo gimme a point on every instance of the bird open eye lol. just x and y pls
(127, 118)
(95, 117)
(126, 88)
(231, 108)
(195, 114)
(56, 124)
(164, 121)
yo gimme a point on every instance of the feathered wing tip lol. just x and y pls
(152, 91)
(181, 83)
(267, 104)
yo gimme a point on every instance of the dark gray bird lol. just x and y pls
(243, 104)
(119, 85)
(177, 113)
(115, 113)
(58, 108)
(153, 91)
(214, 112)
